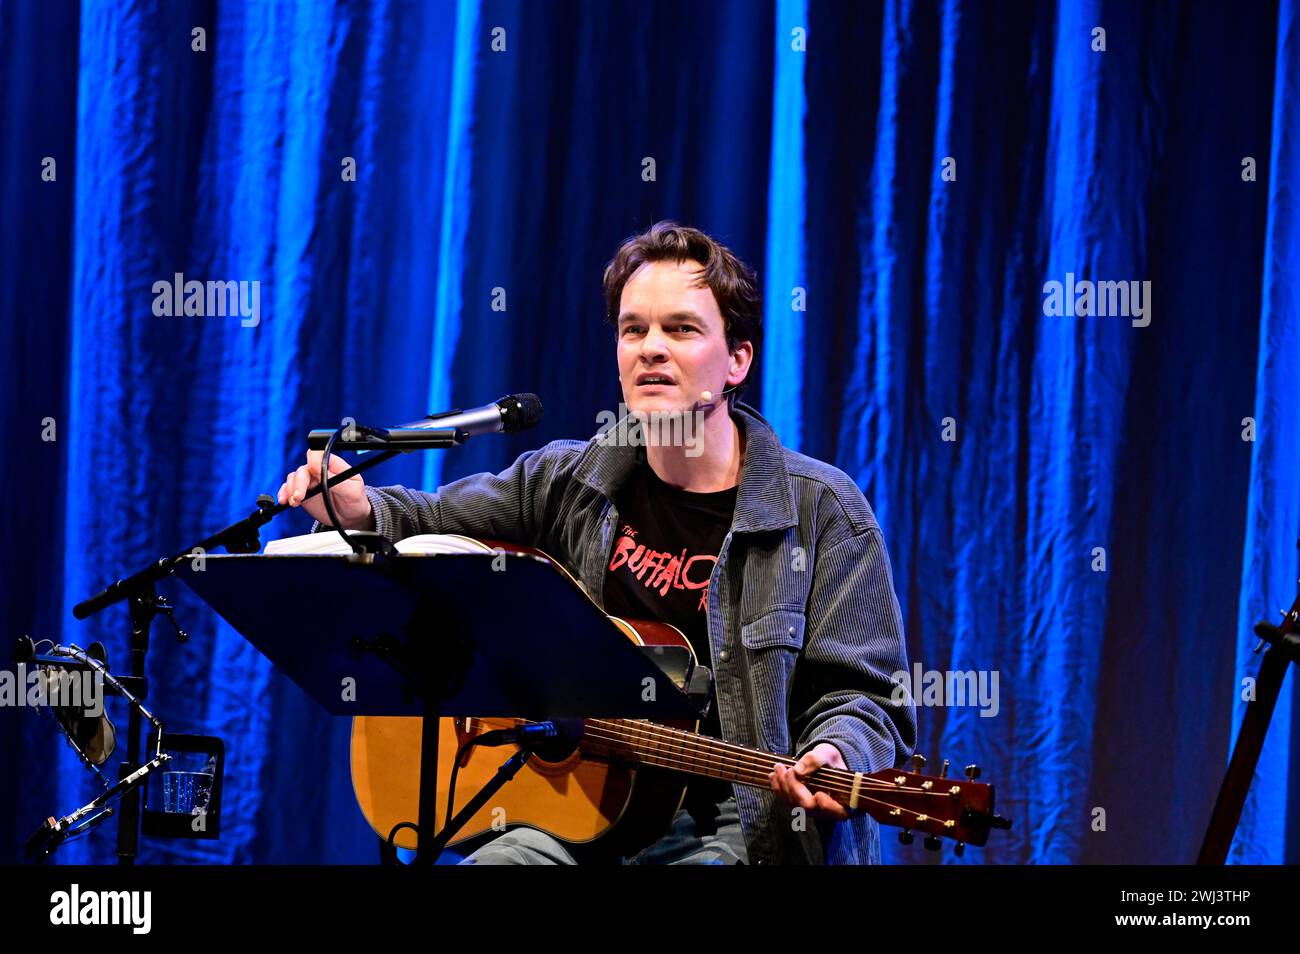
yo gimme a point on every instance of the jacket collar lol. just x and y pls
(764, 501)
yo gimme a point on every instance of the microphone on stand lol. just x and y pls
(506, 415)
(514, 412)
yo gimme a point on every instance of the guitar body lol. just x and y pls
(574, 797)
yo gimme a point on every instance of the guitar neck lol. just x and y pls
(647, 743)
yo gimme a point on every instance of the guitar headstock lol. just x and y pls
(960, 810)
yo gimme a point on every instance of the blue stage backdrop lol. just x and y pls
(1095, 509)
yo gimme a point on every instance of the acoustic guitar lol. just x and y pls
(624, 779)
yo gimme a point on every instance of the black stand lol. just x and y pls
(1284, 649)
(427, 818)
(143, 609)
(504, 774)
(145, 603)
(431, 636)
(55, 831)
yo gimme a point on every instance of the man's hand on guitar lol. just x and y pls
(349, 498)
(789, 783)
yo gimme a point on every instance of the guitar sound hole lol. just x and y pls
(562, 746)
(556, 750)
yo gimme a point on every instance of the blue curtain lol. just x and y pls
(1095, 508)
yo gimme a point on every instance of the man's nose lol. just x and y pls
(654, 346)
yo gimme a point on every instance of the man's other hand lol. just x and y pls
(349, 498)
(788, 783)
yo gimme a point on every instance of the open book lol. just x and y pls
(329, 543)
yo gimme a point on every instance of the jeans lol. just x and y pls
(704, 838)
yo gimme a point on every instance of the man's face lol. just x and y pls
(671, 341)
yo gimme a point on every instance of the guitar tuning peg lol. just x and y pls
(916, 763)
(972, 772)
(960, 849)
(932, 843)
(905, 837)
(943, 772)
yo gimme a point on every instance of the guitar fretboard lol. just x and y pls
(647, 743)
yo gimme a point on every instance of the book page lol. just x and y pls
(329, 543)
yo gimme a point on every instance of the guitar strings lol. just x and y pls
(671, 763)
(733, 756)
(645, 735)
(739, 755)
(742, 764)
(637, 736)
(837, 781)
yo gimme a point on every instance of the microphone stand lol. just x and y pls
(54, 832)
(508, 770)
(1284, 649)
(140, 591)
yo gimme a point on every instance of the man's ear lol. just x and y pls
(741, 359)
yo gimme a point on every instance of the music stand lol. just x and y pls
(468, 634)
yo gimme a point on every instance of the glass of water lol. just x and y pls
(184, 792)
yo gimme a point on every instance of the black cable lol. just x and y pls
(455, 767)
(398, 827)
(326, 494)
(451, 794)
(451, 797)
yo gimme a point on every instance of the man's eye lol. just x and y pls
(630, 329)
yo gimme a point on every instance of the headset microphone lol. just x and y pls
(706, 397)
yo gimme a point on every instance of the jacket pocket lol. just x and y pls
(779, 627)
(772, 643)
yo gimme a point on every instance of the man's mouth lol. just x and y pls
(654, 380)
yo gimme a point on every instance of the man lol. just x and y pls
(771, 563)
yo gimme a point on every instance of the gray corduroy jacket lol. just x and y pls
(803, 623)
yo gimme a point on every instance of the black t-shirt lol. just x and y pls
(663, 558)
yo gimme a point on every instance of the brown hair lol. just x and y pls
(733, 283)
